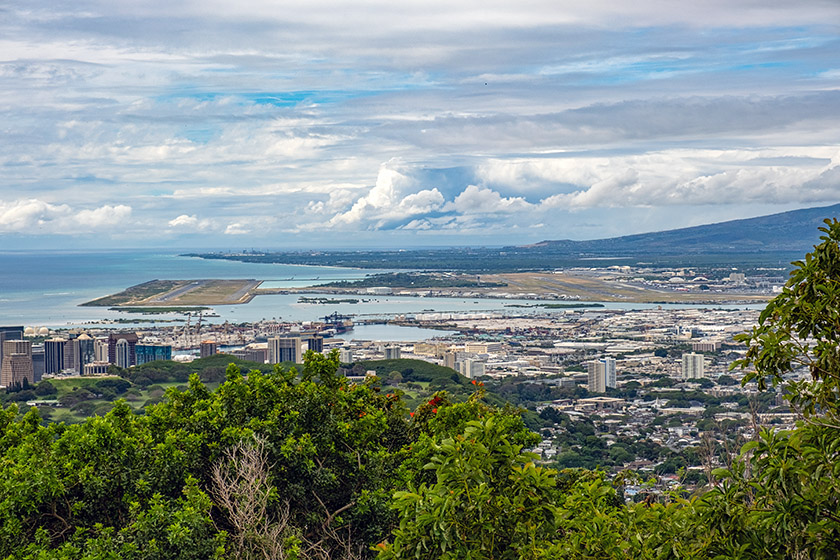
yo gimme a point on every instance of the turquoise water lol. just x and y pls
(45, 289)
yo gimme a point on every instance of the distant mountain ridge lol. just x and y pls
(794, 231)
(773, 240)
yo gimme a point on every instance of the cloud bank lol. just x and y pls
(351, 124)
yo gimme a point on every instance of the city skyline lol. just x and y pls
(340, 125)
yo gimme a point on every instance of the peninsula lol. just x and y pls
(170, 293)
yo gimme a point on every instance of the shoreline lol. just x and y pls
(214, 292)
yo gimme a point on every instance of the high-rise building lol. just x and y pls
(609, 370)
(38, 362)
(87, 352)
(285, 349)
(314, 343)
(737, 277)
(471, 368)
(72, 356)
(692, 366)
(482, 347)
(449, 360)
(208, 348)
(9, 333)
(130, 339)
(145, 353)
(291, 348)
(122, 353)
(54, 355)
(17, 363)
(345, 355)
(601, 375)
(597, 377)
(392, 352)
(100, 350)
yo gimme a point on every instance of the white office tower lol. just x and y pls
(123, 353)
(601, 375)
(100, 350)
(345, 356)
(692, 366)
(472, 368)
(285, 349)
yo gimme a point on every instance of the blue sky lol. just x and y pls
(257, 124)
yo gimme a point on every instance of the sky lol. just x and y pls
(370, 124)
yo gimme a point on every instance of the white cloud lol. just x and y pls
(33, 216)
(481, 200)
(674, 177)
(480, 108)
(337, 201)
(186, 222)
(237, 229)
(390, 200)
(105, 216)
(28, 216)
(421, 202)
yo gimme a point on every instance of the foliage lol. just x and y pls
(786, 483)
(45, 388)
(302, 464)
(488, 501)
(800, 329)
(209, 369)
(416, 370)
(334, 449)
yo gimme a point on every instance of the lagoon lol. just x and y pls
(45, 289)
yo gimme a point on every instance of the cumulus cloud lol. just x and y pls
(481, 200)
(184, 220)
(26, 216)
(390, 200)
(677, 177)
(104, 216)
(190, 223)
(422, 202)
(237, 228)
(337, 200)
(486, 114)
(33, 216)
(537, 190)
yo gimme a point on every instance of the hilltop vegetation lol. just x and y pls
(74, 399)
(304, 465)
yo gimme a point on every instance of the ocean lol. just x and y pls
(45, 288)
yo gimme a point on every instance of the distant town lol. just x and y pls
(652, 385)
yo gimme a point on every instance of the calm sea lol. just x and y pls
(46, 288)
